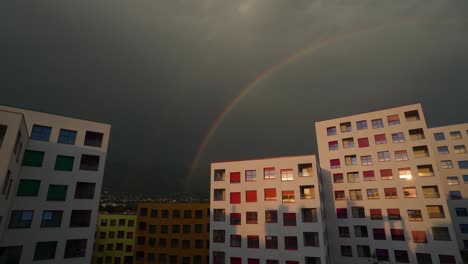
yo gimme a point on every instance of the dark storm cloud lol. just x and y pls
(161, 72)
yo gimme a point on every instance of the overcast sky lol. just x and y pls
(161, 72)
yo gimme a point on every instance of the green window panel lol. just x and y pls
(28, 188)
(57, 192)
(33, 158)
(64, 163)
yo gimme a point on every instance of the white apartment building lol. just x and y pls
(51, 170)
(383, 190)
(450, 143)
(267, 211)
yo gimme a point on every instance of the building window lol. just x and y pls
(401, 155)
(343, 231)
(154, 213)
(465, 179)
(271, 242)
(234, 177)
(455, 135)
(425, 170)
(85, 190)
(412, 115)
(331, 131)
(3, 129)
(455, 195)
(373, 194)
(75, 248)
(21, 219)
(380, 139)
(218, 257)
(361, 125)
(235, 219)
(366, 160)
(164, 229)
(369, 175)
(27, 187)
(360, 231)
(405, 173)
(348, 142)
(341, 213)
(442, 150)
(236, 241)
(350, 160)
(93, 139)
(272, 261)
(346, 251)
(340, 195)
(219, 175)
(144, 211)
(45, 250)
(441, 233)
(174, 243)
(410, 192)
(459, 149)
(52, 218)
(33, 158)
(289, 219)
(390, 193)
(420, 151)
(64, 163)
(376, 214)
(57, 192)
(398, 137)
(452, 180)
(218, 195)
(338, 178)
(307, 191)
(251, 217)
(80, 218)
(290, 243)
(439, 136)
(464, 228)
(271, 216)
(270, 194)
(446, 164)
(401, 256)
(386, 174)
(250, 175)
(309, 215)
(175, 229)
(419, 236)
(311, 239)
(379, 234)
(393, 120)
(235, 198)
(251, 196)
(333, 145)
(269, 173)
(416, 134)
(435, 211)
(335, 163)
(431, 191)
(447, 259)
(41, 133)
(151, 230)
(253, 242)
(382, 254)
(358, 212)
(363, 142)
(363, 251)
(218, 236)
(305, 169)
(67, 136)
(235, 260)
(89, 162)
(355, 195)
(393, 214)
(287, 196)
(345, 127)
(377, 123)
(383, 156)
(286, 174)
(463, 164)
(461, 211)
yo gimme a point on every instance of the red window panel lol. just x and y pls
(235, 218)
(341, 212)
(393, 211)
(292, 262)
(235, 198)
(338, 178)
(270, 194)
(236, 260)
(376, 211)
(253, 261)
(363, 142)
(251, 196)
(419, 236)
(335, 163)
(390, 190)
(393, 118)
(289, 219)
(386, 172)
(368, 174)
(380, 137)
(235, 177)
(397, 234)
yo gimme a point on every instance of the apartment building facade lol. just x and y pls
(383, 190)
(267, 211)
(115, 239)
(172, 233)
(51, 171)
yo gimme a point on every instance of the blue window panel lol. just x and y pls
(439, 136)
(67, 137)
(464, 228)
(465, 178)
(41, 133)
(463, 164)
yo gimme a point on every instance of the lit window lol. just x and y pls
(219, 194)
(270, 194)
(271, 242)
(376, 214)
(286, 174)
(401, 155)
(455, 135)
(361, 125)
(446, 164)
(355, 195)
(410, 192)
(305, 169)
(425, 170)
(393, 214)
(380, 139)
(383, 156)
(345, 127)
(393, 120)
(340, 195)
(353, 177)
(271, 216)
(287, 196)
(219, 175)
(377, 123)
(452, 180)
(390, 193)
(431, 191)
(386, 174)
(348, 142)
(289, 219)
(414, 215)
(333, 145)
(234, 177)
(350, 160)
(251, 217)
(307, 191)
(435, 211)
(460, 149)
(439, 136)
(67, 136)
(253, 242)
(251, 196)
(455, 195)
(269, 173)
(373, 194)
(366, 160)
(363, 142)
(331, 131)
(236, 241)
(338, 178)
(41, 133)
(250, 175)
(369, 175)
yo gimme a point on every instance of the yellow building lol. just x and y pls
(115, 236)
(172, 233)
